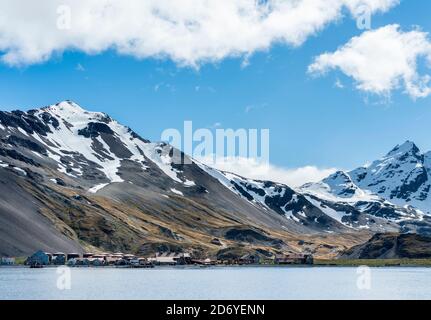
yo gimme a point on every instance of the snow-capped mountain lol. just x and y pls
(395, 187)
(402, 177)
(86, 145)
(71, 179)
(269, 196)
(327, 205)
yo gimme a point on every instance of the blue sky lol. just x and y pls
(311, 120)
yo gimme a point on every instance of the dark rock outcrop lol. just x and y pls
(391, 246)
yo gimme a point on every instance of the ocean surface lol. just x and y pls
(266, 283)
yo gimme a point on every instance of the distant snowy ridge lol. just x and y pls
(402, 177)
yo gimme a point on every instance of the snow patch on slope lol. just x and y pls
(65, 139)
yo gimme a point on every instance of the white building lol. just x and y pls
(7, 261)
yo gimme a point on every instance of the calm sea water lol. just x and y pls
(216, 283)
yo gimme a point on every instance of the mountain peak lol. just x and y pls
(341, 184)
(406, 147)
(66, 106)
(339, 176)
(74, 113)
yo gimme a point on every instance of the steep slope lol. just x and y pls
(391, 246)
(22, 227)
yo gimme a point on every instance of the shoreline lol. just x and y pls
(373, 263)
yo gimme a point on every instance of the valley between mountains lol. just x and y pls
(72, 180)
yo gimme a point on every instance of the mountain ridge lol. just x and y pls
(402, 176)
(97, 185)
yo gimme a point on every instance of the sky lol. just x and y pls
(334, 96)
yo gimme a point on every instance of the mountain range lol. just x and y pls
(73, 181)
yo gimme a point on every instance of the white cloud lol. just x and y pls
(189, 32)
(254, 169)
(80, 67)
(338, 84)
(165, 86)
(253, 107)
(215, 125)
(381, 61)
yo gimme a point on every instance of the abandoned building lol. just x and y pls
(294, 258)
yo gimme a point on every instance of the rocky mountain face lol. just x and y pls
(395, 188)
(403, 177)
(391, 246)
(74, 180)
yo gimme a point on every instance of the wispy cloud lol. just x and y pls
(338, 84)
(216, 125)
(253, 107)
(79, 67)
(164, 86)
(199, 88)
